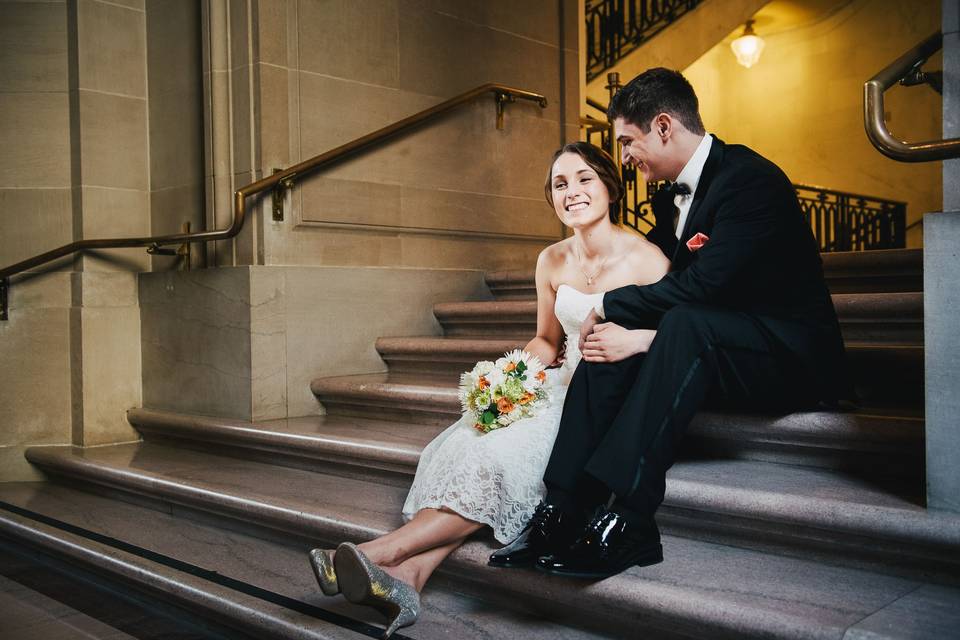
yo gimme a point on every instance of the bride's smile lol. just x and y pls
(579, 196)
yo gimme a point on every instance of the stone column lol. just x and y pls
(941, 282)
(110, 195)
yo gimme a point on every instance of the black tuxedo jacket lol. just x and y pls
(761, 259)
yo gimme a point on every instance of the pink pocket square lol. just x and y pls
(696, 242)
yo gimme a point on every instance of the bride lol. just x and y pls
(467, 480)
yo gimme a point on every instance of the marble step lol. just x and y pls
(884, 373)
(441, 355)
(275, 562)
(805, 510)
(702, 590)
(151, 580)
(871, 443)
(871, 317)
(371, 449)
(845, 272)
(389, 450)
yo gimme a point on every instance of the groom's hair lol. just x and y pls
(601, 162)
(656, 91)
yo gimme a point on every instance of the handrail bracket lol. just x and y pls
(918, 76)
(183, 251)
(280, 194)
(502, 99)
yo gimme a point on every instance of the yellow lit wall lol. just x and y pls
(801, 104)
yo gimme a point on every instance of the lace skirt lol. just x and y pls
(494, 478)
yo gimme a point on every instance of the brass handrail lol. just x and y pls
(502, 94)
(873, 118)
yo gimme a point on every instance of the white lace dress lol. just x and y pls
(497, 478)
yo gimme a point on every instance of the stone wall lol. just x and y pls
(245, 342)
(105, 136)
(456, 193)
(801, 105)
(73, 116)
(87, 154)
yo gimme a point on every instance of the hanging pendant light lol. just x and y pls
(748, 46)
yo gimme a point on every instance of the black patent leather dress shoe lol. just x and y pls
(607, 546)
(548, 531)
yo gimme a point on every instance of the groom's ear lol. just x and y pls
(663, 126)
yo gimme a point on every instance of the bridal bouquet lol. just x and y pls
(497, 394)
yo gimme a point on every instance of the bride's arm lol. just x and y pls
(546, 345)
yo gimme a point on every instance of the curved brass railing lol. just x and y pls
(873, 119)
(502, 94)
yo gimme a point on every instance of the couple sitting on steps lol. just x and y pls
(724, 302)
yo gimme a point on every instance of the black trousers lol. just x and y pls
(622, 422)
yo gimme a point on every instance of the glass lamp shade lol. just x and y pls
(747, 47)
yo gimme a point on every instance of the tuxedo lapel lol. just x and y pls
(710, 168)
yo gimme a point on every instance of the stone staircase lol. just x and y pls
(808, 525)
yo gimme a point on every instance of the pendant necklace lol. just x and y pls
(588, 277)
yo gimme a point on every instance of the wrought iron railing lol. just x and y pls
(853, 222)
(840, 221)
(617, 27)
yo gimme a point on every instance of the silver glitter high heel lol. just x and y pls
(322, 562)
(363, 582)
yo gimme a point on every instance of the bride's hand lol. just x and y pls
(561, 356)
(610, 342)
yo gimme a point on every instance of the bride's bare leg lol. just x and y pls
(429, 529)
(416, 570)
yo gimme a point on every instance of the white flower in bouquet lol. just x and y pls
(497, 394)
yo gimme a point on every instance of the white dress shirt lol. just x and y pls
(690, 176)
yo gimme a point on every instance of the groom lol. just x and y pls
(743, 319)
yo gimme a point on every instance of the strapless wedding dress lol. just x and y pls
(497, 478)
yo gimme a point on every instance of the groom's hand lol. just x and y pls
(610, 342)
(586, 328)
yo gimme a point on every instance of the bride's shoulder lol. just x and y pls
(556, 254)
(643, 253)
(551, 261)
(638, 245)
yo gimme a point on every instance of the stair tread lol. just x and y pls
(905, 306)
(367, 436)
(485, 344)
(760, 491)
(442, 390)
(701, 585)
(905, 264)
(337, 434)
(279, 566)
(253, 615)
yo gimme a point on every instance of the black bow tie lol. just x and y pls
(678, 189)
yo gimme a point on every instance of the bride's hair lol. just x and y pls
(598, 160)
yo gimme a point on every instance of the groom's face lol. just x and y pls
(645, 151)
